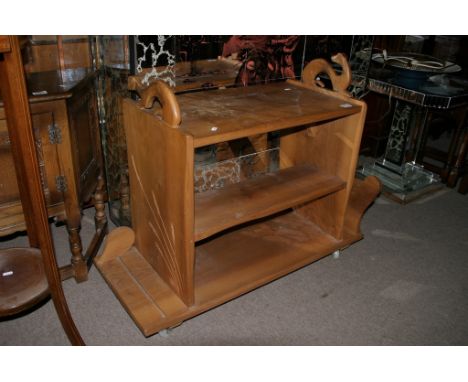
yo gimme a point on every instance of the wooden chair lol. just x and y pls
(28, 275)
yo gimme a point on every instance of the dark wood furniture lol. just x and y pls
(463, 187)
(66, 130)
(42, 53)
(448, 162)
(28, 274)
(190, 252)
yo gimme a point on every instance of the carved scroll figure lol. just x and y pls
(340, 82)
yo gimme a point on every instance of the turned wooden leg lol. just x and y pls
(124, 210)
(100, 218)
(78, 263)
(73, 214)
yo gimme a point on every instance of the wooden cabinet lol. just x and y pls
(11, 213)
(188, 252)
(66, 130)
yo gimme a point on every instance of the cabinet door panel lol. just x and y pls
(44, 124)
(47, 156)
(8, 185)
(11, 213)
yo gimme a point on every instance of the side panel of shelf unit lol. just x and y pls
(160, 161)
(333, 148)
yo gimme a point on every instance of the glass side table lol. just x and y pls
(405, 180)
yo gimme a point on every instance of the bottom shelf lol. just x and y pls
(226, 267)
(243, 259)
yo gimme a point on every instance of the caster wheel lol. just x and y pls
(336, 254)
(165, 333)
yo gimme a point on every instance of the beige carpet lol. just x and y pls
(406, 283)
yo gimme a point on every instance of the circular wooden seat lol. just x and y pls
(23, 282)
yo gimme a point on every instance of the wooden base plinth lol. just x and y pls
(227, 265)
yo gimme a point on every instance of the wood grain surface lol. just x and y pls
(259, 197)
(196, 251)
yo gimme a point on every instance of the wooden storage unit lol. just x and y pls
(64, 116)
(190, 252)
(43, 53)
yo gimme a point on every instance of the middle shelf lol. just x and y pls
(238, 203)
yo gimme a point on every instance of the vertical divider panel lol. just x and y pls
(160, 161)
(332, 147)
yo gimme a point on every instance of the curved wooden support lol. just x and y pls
(362, 195)
(118, 241)
(340, 82)
(170, 107)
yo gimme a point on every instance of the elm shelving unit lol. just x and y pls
(188, 252)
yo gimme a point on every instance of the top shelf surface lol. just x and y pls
(225, 114)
